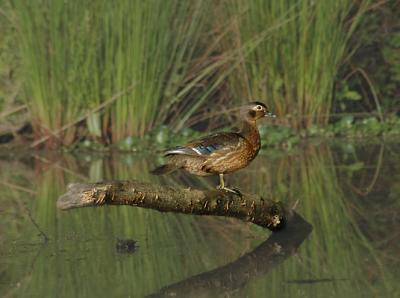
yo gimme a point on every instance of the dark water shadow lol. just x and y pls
(236, 275)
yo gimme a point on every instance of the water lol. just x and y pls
(348, 193)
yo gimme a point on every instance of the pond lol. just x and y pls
(348, 193)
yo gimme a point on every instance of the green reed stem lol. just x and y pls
(78, 54)
(294, 67)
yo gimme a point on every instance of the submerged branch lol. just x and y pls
(249, 207)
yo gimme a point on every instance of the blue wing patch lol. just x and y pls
(206, 150)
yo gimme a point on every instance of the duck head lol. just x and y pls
(255, 110)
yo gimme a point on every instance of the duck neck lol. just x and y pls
(250, 132)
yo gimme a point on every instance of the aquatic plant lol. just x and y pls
(120, 68)
(292, 51)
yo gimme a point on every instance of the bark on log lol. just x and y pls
(248, 207)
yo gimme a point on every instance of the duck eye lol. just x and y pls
(258, 108)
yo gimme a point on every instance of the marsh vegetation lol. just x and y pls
(105, 72)
(108, 84)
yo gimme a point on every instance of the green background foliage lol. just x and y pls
(104, 72)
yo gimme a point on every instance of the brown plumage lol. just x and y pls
(220, 153)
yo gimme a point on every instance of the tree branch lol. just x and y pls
(248, 207)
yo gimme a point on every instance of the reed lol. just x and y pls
(292, 67)
(152, 46)
(58, 44)
(166, 61)
(77, 55)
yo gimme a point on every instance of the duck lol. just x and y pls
(220, 153)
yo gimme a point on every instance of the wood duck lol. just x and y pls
(220, 153)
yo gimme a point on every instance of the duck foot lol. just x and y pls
(232, 190)
(222, 186)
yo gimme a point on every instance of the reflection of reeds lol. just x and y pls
(81, 252)
(225, 280)
(370, 178)
(92, 249)
(333, 258)
(81, 260)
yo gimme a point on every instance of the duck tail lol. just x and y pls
(164, 169)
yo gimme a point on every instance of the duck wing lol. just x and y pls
(219, 143)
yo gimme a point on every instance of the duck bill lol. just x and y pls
(269, 114)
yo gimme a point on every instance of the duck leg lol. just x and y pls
(223, 187)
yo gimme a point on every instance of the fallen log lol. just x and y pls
(247, 207)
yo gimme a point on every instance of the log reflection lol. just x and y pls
(233, 276)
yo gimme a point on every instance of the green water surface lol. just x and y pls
(350, 194)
